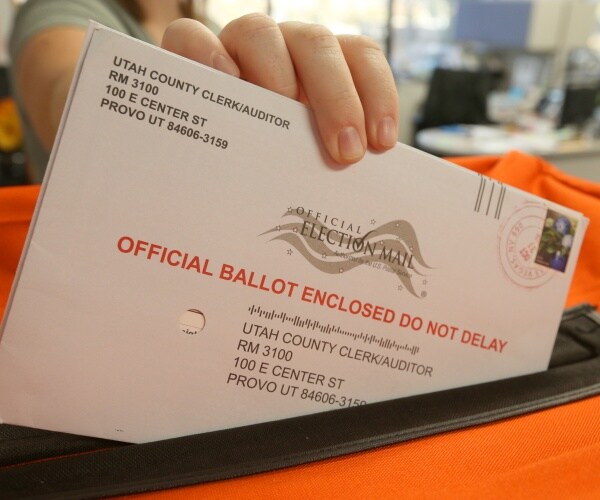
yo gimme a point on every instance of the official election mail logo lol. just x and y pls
(336, 246)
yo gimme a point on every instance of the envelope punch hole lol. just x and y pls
(192, 322)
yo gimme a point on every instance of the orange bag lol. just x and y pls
(551, 450)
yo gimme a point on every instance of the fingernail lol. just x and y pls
(350, 145)
(387, 135)
(222, 63)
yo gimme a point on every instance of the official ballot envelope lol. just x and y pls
(195, 263)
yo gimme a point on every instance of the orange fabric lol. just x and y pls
(549, 454)
(16, 208)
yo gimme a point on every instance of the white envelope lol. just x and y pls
(194, 263)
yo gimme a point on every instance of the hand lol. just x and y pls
(345, 80)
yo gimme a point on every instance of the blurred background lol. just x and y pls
(474, 76)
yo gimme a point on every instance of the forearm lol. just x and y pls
(48, 121)
(45, 67)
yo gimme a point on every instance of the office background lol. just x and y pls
(529, 65)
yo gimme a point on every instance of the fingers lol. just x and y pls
(376, 87)
(327, 82)
(257, 45)
(193, 40)
(345, 80)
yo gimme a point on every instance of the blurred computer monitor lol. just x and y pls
(455, 97)
(578, 105)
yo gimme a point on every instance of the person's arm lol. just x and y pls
(345, 80)
(44, 70)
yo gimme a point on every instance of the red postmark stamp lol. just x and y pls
(518, 242)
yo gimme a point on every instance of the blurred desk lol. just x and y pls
(576, 156)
